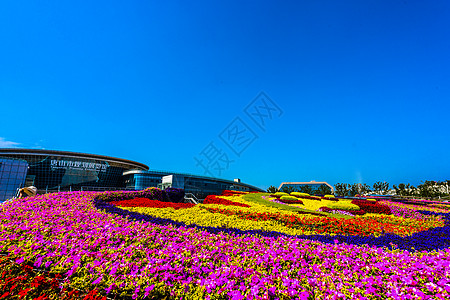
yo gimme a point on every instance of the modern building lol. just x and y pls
(62, 170)
(200, 186)
(12, 176)
(313, 184)
(50, 171)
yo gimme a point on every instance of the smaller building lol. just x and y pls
(314, 185)
(200, 186)
(12, 177)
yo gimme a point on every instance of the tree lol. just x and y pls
(425, 189)
(430, 189)
(381, 187)
(288, 189)
(323, 190)
(404, 189)
(306, 189)
(272, 189)
(359, 189)
(342, 189)
(400, 190)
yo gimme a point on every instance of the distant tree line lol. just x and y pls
(320, 190)
(432, 189)
(429, 189)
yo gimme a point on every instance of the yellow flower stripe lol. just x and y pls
(410, 224)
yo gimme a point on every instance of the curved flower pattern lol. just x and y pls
(99, 246)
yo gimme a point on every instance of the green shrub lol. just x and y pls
(371, 200)
(343, 205)
(288, 198)
(298, 194)
(329, 196)
(279, 194)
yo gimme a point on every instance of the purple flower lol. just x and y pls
(20, 260)
(38, 262)
(98, 280)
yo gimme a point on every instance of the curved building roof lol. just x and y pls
(19, 152)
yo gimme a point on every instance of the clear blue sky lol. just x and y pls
(363, 86)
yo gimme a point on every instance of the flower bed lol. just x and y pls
(429, 208)
(318, 225)
(212, 199)
(290, 200)
(342, 211)
(145, 202)
(372, 207)
(21, 281)
(233, 193)
(99, 246)
(150, 193)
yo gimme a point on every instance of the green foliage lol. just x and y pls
(430, 189)
(404, 189)
(381, 187)
(359, 189)
(289, 198)
(288, 189)
(342, 189)
(298, 194)
(323, 190)
(307, 189)
(279, 194)
(343, 205)
(272, 189)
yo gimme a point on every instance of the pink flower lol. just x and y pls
(98, 280)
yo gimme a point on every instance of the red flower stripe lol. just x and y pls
(372, 207)
(213, 199)
(145, 202)
(291, 201)
(232, 193)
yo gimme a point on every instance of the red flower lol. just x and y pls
(4, 295)
(212, 199)
(372, 207)
(144, 202)
(232, 193)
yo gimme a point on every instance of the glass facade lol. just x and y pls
(51, 171)
(140, 181)
(61, 171)
(298, 187)
(200, 186)
(12, 177)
